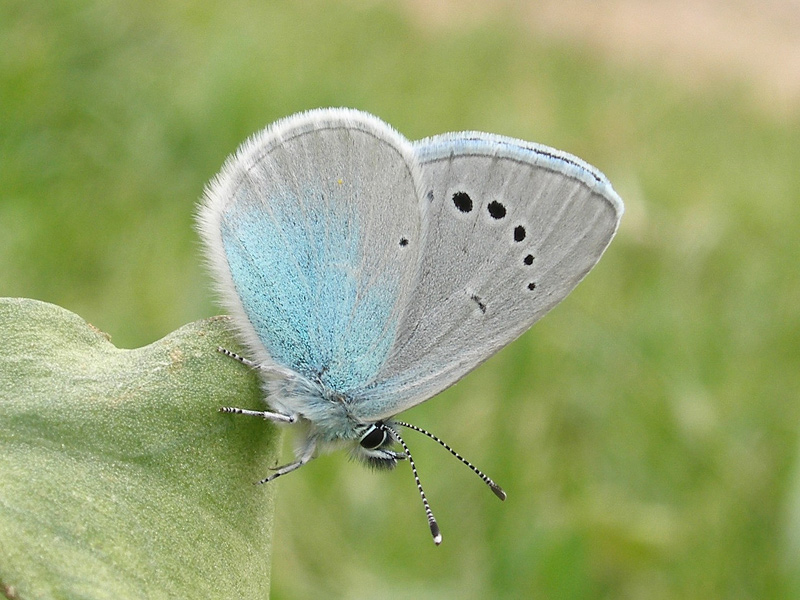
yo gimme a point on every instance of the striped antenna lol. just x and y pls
(437, 535)
(498, 491)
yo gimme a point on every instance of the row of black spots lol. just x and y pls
(497, 210)
(463, 202)
(528, 261)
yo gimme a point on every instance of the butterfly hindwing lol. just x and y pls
(510, 229)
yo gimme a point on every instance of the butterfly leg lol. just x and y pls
(307, 455)
(239, 357)
(264, 414)
(274, 370)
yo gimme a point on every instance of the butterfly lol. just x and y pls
(366, 273)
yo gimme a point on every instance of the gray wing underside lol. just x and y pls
(314, 231)
(510, 229)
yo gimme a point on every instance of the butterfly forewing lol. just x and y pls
(316, 226)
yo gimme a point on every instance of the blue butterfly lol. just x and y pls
(366, 273)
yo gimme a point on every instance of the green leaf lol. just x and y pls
(119, 478)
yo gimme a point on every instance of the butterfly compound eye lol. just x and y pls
(374, 437)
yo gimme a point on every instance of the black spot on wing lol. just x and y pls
(462, 202)
(496, 209)
(477, 300)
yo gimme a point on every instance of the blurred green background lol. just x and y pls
(645, 431)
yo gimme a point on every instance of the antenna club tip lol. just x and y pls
(498, 491)
(437, 535)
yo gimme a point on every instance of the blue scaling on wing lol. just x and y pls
(296, 264)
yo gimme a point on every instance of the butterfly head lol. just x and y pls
(374, 446)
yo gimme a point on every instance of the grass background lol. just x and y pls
(645, 431)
